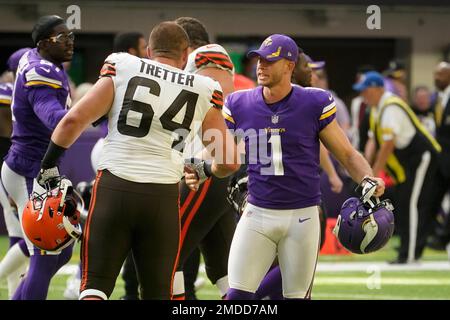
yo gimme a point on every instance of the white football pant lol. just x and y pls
(261, 235)
(16, 186)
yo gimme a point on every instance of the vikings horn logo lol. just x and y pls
(267, 42)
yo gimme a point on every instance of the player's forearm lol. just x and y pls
(325, 162)
(227, 162)
(68, 130)
(357, 166)
(224, 170)
(385, 151)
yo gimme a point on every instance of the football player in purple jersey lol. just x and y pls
(40, 99)
(282, 126)
(271, 285)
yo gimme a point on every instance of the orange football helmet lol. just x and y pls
(51, 220)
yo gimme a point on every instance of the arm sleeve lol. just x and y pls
(44, 75)
(327, 107)
(5, 95)
(217, 96)
(213, 56)
(108, 70)
(227, 113)
(46, 106)
(109, 66)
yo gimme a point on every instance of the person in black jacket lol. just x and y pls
(441, 110)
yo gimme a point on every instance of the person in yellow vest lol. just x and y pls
(404, 147)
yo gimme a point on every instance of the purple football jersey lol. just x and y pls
(40, 99)
(281, 144)
(6, 90)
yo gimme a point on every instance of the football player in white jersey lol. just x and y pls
(150, 105)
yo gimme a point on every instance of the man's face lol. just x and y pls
(422, 99)
(269, 74)
(303, 72)
(59, 45)
(370, 95)
(441, 78)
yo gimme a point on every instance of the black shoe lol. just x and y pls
(436, 243)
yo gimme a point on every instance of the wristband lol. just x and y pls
(54, 152)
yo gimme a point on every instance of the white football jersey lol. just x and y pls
(209, 56)
(156, 108)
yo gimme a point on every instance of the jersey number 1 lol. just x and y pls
(185, 97)
(277, 154)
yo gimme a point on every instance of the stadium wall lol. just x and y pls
(425, 26)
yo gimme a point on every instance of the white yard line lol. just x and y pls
(338, 267)
(410, 281)
(333, 296)
(382, 266)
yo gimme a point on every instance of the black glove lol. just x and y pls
(48, 178)
(237, 190)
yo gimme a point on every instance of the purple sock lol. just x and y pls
(23, 247)
(271, 287)
(14, 240)
(42, 269)
(18, 294)
(236, 294)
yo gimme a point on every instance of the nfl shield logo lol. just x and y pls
(275, 119)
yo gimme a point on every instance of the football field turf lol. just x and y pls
(366, 277)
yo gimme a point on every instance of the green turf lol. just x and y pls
(399, 285)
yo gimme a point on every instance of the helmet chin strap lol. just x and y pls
(73, 231)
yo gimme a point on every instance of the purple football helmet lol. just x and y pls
(365, 224)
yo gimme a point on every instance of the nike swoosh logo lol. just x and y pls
(46, 70)
(330, 98)
(301, 221)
